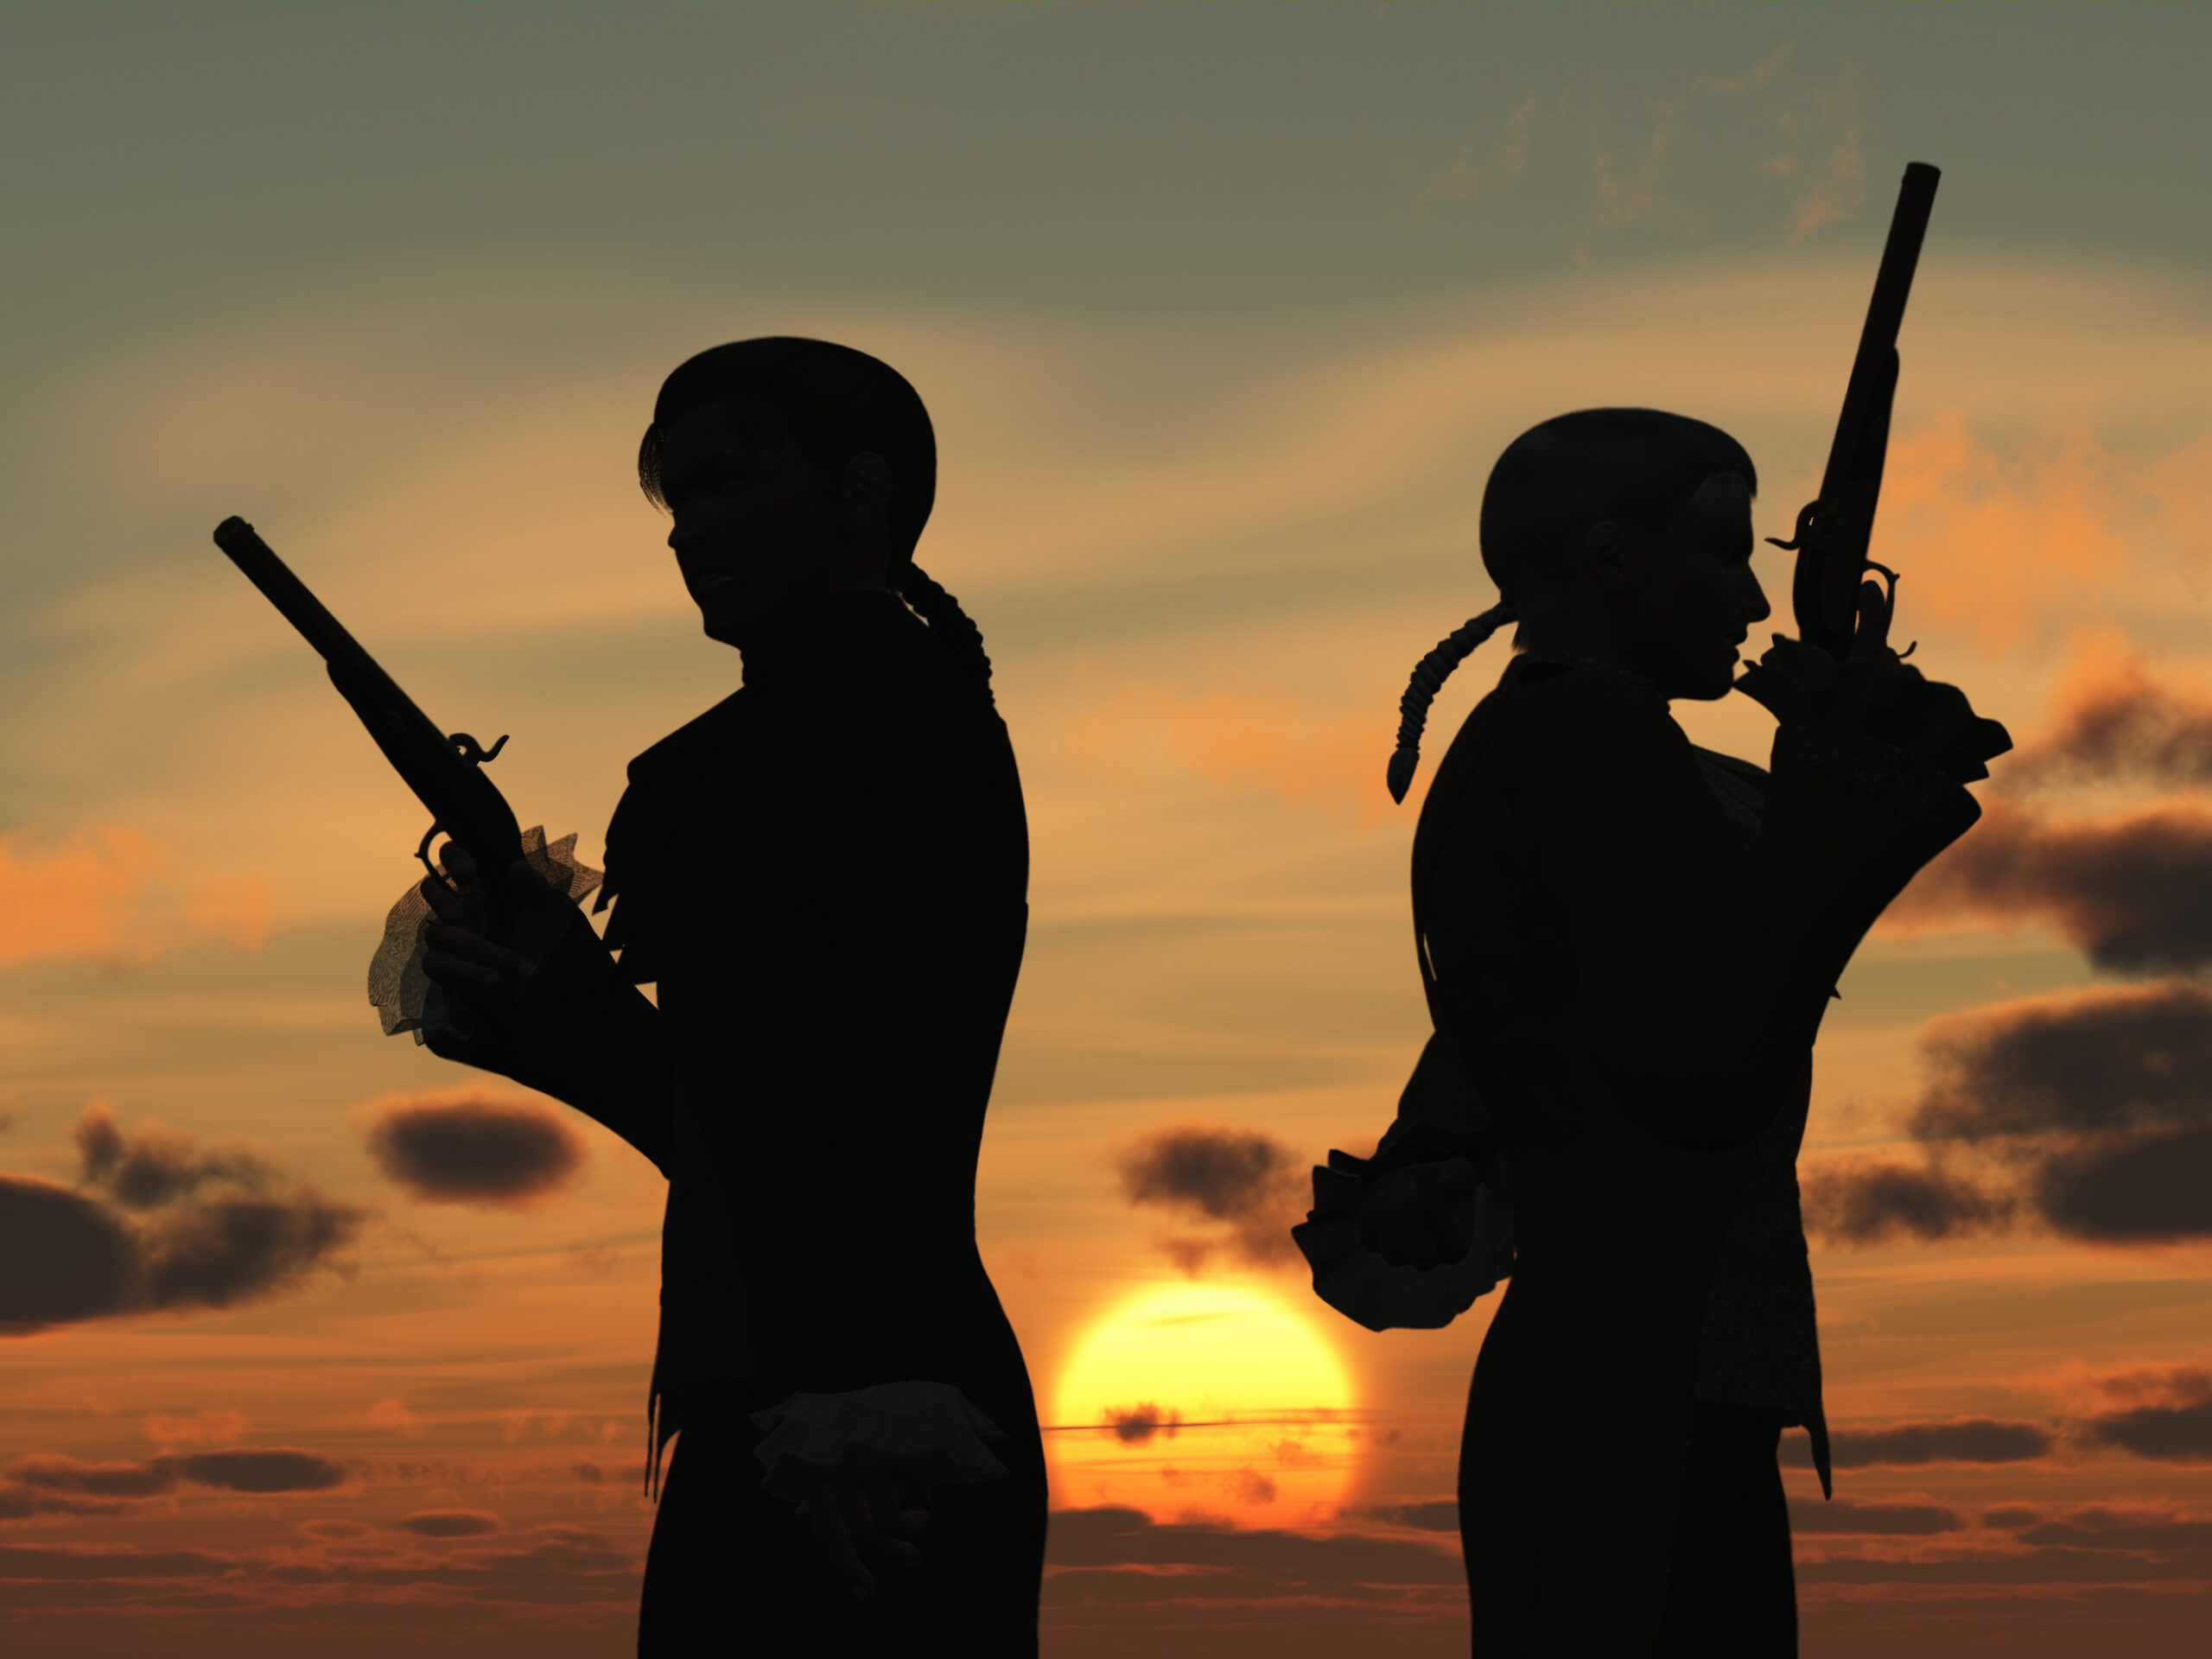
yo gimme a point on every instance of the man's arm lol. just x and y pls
(549, 1010)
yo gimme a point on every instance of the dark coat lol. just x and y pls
(1631, 978)
(825, 879)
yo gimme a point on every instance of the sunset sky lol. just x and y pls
(1222, 313)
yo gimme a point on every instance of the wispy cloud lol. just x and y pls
(111, 895)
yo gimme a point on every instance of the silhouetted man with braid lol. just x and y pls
(825, 877)
(1627, 944)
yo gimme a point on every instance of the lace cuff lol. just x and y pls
(900, 1419)
(1369, 1290)
(398, 987)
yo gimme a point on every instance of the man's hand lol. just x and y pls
(868, 1501)
(484, 975)
(1875, 693)
(1423, 1217)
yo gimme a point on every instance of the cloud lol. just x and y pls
(469, 1148)
(1244, 1180)
(157, 1165)
(452, 1524)
(1431, 1515)
(2099, 1102)
(64, 1257)
(1114, 1537)
(2174, 1427)
(1137, 1425)
(2102, 1526)
(1867, 1204)
(2133, 892)
(1468, 180)
(156, 1223)
(108, 895)
(275, 1470)
(1888, 1520)
(2113, 719)
(1961, 1439)
(235, 1469)
(2000, 540)
(66, 1562)
(2145, 1189)
(2078, 1063)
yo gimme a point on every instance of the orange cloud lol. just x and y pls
(1334, 763)
(1999, 543)
(109, 894)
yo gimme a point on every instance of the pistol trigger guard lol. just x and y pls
(474, 753)
(422, 852)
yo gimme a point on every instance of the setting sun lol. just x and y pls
(1213, 1398)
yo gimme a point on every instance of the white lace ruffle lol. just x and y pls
(900, 1419)
(1369, 1290)
(398, 988)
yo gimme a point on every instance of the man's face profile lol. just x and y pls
(1688, 597)
(755, 534)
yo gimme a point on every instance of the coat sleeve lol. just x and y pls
(581, 1034)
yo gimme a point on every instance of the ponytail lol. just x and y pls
(946, 619)
(1428, 677)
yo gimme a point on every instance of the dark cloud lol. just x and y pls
(1140, 1423)
(1252, 1186)
(589, 1473)
(1867, 1204)
(2142, 1189)
(157, 1165)
(1435, 1514)
(62, 1561)
(562, 1564)
(2178, 1434)
(64, 1257)
(2095, 1061)
(1899, 1520)
(1961, 1440)
(237, 1470)
(277, 1469)
(2133, 892)
(2121, 724)
(21, 1503)
(1112, 1537)
(156, 1224)
(2099, 1526)
(2090, 1113)
(471, 1149)
(452, 1524)
(2010, 1517)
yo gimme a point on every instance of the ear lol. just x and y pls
(1605, 548)
(864, 494)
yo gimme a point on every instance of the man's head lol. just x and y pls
(1624, 536)
(792, 468)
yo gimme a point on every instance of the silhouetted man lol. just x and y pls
(824, 876)
(1627, 944)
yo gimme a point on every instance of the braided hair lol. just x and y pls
(1634, 464)
(1429, 675)
(836, 402)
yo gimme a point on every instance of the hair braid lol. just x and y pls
(946, 619)
(1428, 677)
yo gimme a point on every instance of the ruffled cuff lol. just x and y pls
(398, 988)
(898, 1419)
(1369, 1290)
